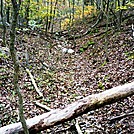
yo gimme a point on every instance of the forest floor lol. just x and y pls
(97, 64)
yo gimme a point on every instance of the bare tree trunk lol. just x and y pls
(72, 111)
(27, 12)
(16, 64)
(47, 17)
(7, 8)
(50, 15)
(54, 11)
(3, 23)
(107, 28)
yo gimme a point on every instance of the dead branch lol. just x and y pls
(34, 83)
(46, 108)
(78, 127)
(121, 116)
(57, 116)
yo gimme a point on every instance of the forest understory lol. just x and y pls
(95, 63)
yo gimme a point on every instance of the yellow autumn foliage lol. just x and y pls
(78, 14)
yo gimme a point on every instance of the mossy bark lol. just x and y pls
(16, 65)
(3, 24)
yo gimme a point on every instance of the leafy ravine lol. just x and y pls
(70, 76)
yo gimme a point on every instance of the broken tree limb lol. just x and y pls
(78, 127)
(57, 116)
(34, 83)
(113, 119)
(46, 108)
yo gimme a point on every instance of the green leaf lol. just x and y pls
(81, 50)
(91, 43)
(100, 85)
(129, 55)
(104, 63)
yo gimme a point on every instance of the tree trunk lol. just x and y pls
(16, 64)
(3, 23)
(73, 110)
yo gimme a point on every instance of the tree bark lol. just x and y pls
(73, 110)
(3, 22)
(16, 64)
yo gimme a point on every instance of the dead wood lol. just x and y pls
(121, 116)
(34, 83)
(72, 111)
(46, 108)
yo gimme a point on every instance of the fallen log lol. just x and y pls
(57, 116)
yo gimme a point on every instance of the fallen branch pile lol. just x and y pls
(72, 111)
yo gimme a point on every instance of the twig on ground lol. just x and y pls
(121, 116)
(78, 127)
(46, 108)
(34, 84)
